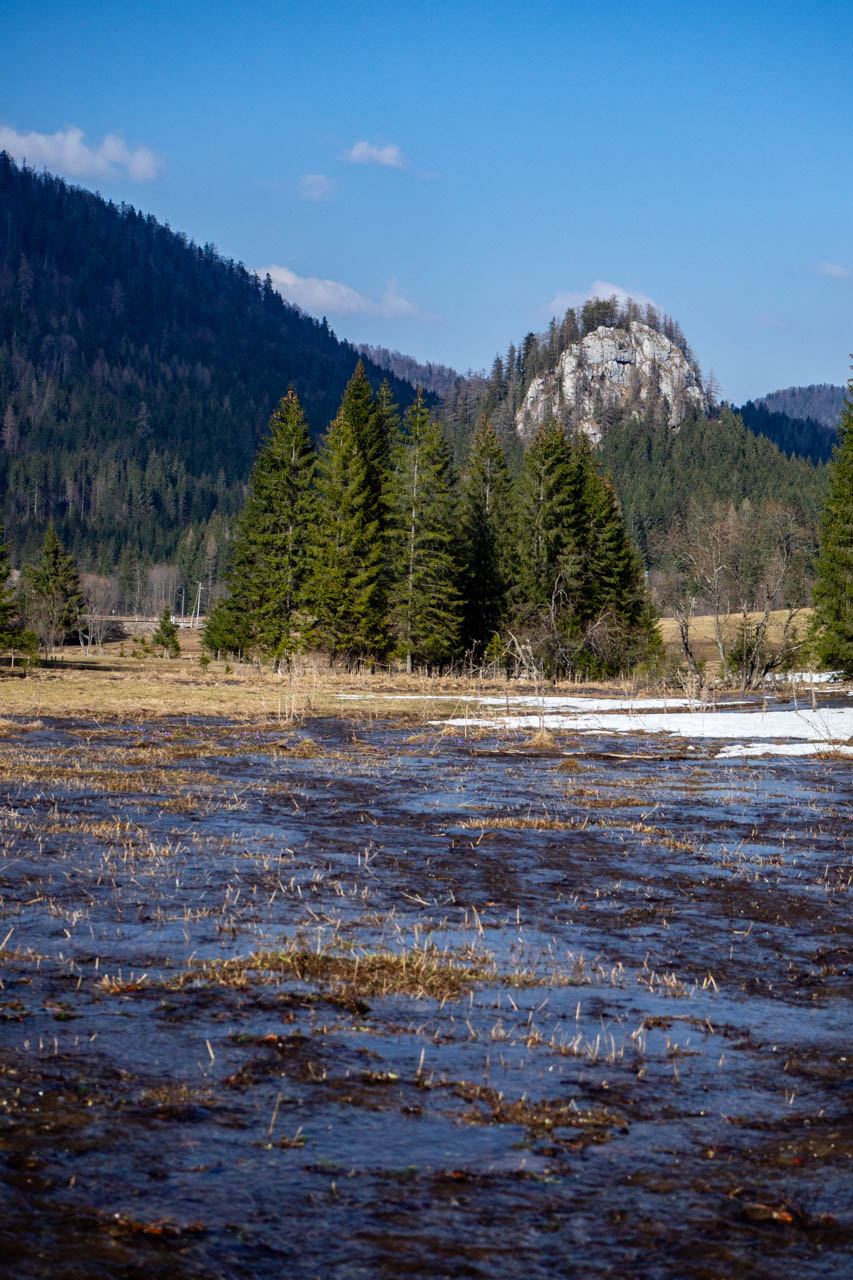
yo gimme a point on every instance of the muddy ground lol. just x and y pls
(357, 999)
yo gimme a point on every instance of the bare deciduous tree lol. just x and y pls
(741, 564)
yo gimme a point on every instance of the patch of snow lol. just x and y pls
(781, 749)
(548, 702)
(802, 677)
(831, 724)
(555, 702)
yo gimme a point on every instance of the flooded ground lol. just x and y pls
(382, 998)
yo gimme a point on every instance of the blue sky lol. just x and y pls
(443, 177)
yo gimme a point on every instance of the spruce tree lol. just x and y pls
(344, 588)
(488, 531)
(269, 563)
(368, 427)
(425, 601)
(8, 608)
(580, 597)
(166, 634)
(615, 608)
(386, 428)
(833, 590)
(12, 634)
(51, 594)
(543, 523)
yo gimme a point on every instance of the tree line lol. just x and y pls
(373, 548)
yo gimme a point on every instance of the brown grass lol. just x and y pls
(427, 973)
(116, 685)
(702, 632)
(112, 686)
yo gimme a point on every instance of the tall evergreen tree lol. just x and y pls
(12, 634)
(488, 528)
(580, 597)
(8, 607)
(613, 609)
(344, 589)
(359, 406)
(543, 523)
(425, 601)
(833, 591)
(269, 564)
(50, 592)
(386, 426)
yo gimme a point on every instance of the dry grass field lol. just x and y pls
(129, 679)
(702, 632)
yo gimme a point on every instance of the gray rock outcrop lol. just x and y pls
(623, 368)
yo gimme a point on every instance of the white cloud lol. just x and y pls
(366, 153)
(66, 152)
(330, 297)
(315, 186)
(834, 269)
(566, 298)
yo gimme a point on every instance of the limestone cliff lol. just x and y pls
(621, 368)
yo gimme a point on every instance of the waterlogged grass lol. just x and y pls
(339, 993)
(424, 974)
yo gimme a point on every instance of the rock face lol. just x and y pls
(622, 368)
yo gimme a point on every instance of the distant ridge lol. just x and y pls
(822, 402)
(435, 378)
(800, 420)
(801, 437)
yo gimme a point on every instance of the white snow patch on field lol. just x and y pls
(781, 749)
(829, 725)
(803, 677)
(550, 703)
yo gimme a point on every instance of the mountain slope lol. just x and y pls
(660, 475)
(822, 402)
(138, 372)
(804, 437)
(627, 379)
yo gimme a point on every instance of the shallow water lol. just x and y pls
(610, 1031)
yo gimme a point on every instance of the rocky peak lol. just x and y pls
(623, 368)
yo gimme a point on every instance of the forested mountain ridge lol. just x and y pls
(138, 372)
(800, 420)
(820, 401)
(430, 377)
(558, 374)
(803, 437)
(670, 449)
(664, 477)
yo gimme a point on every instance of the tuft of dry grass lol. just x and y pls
(427, 973)
(528, 822)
